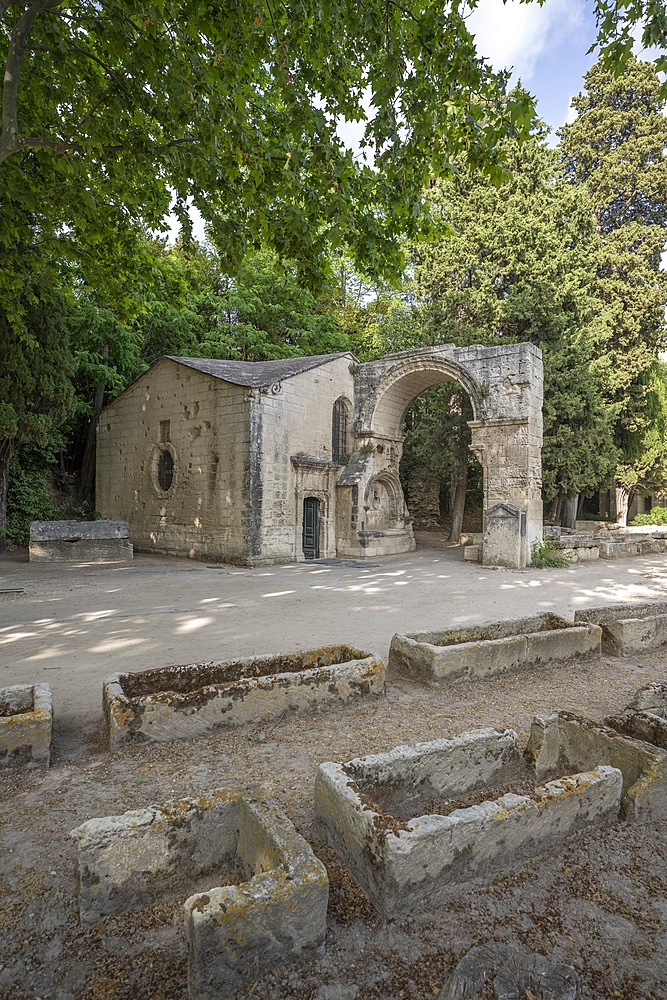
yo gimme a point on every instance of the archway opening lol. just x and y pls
(441, 478)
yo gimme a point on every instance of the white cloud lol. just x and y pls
(516, 34)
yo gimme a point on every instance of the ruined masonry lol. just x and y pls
(258, 463)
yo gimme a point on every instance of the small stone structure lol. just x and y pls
(270, 903)
(512, 973)
(80, 541)
(26, 722)
(382, 816)
(620, 544)
(645, 718)
(564, 741)
(478, 651)
(259, 463)
(628, 628)
(181, 702)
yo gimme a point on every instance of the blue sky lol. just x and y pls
(546, 46)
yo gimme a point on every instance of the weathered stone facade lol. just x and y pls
(285, 460)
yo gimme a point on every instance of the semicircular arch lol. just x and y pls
(405, 382)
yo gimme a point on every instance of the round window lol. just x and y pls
(165, 470)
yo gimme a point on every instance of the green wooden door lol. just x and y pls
(311, 528)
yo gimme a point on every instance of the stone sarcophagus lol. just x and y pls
(256, 894)
(478, 651)
(628, 628)
(180, 702)
(416, 826)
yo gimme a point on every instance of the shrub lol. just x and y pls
(658, 515)
(28, 499)
(545, 555)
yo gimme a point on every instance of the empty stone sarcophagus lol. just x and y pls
(417, 825)
(645, 718)
(628, 628)
(478, 651)
(177, 702)
(563, 741)
(269, 898)
(26, 722)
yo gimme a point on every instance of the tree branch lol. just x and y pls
(63, 146)
(9, 137)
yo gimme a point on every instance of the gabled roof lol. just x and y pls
(256, 374)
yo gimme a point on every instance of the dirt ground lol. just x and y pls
(599, 904)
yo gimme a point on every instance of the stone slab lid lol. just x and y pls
(51, 531)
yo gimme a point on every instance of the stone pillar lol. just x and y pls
(510, 454)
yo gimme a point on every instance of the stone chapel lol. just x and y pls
(279, 461)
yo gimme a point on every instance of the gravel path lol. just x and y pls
(600, 904)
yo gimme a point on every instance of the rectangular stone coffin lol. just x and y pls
(628, 628)
(564, 741)
(26, 722)
(270, 901)
(480, 651)
(179, 702)
(406, 865)
(645, 718)
(80, 541)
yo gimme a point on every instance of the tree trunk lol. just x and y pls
(459, 505)
(554, 513)
(87, 474)
(568, 518)
(622, 504)
(6, 449)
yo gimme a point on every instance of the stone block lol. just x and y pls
(564, 742)
(505, 540)
(269, 900)
(472, 553)
(26, 722)
(645, 718)
(513, 973)
(80, 541)
(181, 702)
(377, 813)
(475, 652)
(628, 628)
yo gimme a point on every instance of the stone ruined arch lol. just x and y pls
(504, 384)
(396, 391)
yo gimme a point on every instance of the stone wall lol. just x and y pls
(292, 425)
(204, 424)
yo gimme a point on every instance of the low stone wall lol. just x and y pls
(566, 742)
(628, 628)
(408, 857)
(26, 722)
(270, 903)
(80, 541)
(617, 545)
(177, 702)
(479, 651)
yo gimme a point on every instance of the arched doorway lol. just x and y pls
(504, 385)
(441, 477)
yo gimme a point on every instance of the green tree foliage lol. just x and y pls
(36, 389)
(108, 110)
(616, 148)
(516, 266)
